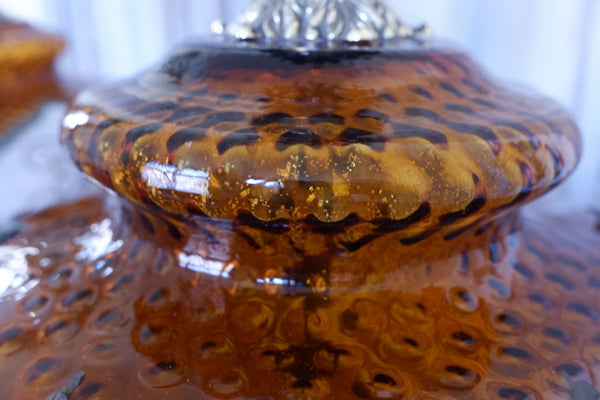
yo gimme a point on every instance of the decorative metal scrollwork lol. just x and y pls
(321, 22)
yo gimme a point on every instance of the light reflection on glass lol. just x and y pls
(169, 177)
(75, 119)
(277, 281)
(14, 275)
(198, 263)
(97, 242)
(265, 183)
(161, 176)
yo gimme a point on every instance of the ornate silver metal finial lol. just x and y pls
(319, 21)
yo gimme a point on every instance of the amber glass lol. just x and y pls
(307, 225)
(26, 73)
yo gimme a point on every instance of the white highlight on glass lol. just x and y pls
(75, 119)
(160, 176)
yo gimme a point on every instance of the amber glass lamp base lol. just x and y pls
(505, 310)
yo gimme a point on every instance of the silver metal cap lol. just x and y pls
(320, 23)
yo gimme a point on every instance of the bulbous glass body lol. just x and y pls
(307, 225)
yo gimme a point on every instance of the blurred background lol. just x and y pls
(552, 46)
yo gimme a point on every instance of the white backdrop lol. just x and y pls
(551, 45)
